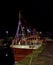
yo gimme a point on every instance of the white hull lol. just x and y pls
(26, 46)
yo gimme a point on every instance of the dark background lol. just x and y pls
(38, 14)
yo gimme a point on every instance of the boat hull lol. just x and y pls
(20, 54)
(21, 51)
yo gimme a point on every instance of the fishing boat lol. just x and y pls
(23, 44)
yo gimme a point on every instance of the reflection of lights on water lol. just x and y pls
(6, 54)
(15, 63)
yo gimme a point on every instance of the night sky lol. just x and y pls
(38, 14)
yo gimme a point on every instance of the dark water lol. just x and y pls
(6, 56)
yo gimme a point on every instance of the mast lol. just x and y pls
(19, 24)
(19, 15)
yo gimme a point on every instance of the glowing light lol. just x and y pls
(40, 32)
(6, 32)
(28, 31)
